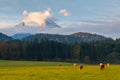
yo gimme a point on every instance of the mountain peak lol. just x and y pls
(21, 24)
(51, 23)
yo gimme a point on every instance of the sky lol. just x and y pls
(93, 16)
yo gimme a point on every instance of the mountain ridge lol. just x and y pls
(20, 35)
(72, 38)
(4, 37)
(76, 37)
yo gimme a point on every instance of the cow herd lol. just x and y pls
(102, 66)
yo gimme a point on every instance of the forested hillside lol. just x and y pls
(4, 37)
(76, 37)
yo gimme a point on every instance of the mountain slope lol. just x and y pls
(89, 36)
(4, 37)
(20, 35)
(51, 24)
(76, 37)
(54, 37)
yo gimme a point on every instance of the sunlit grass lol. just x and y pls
(23, 70)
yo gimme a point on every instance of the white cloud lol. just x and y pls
(37, 17)
(25, 13)
(65, 12)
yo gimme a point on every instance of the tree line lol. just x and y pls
(46, 50)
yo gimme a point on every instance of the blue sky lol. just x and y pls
(94, 16)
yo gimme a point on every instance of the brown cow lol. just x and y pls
(102, 66)
(75, 65)
(108, 64)
(81, 67)
(59, 64)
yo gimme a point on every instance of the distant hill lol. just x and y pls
(76, 37)
(20, 35)
(54, 37)
(89, 37)
(4, 37)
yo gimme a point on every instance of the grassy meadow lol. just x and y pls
(33, 70)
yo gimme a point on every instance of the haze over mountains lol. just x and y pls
(30, 28)
(25, 31)
(49, 25)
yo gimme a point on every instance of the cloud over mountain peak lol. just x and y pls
(38, 18)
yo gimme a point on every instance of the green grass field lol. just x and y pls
(32, 70)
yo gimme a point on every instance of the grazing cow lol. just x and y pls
(81, 67)
(102, 66)
(108, 64)
(75, 65)
(59, 64)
